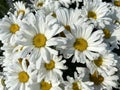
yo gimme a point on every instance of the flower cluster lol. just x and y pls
(44, 39)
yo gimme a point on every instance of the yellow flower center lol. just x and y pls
(39, 40)
(97, 79)
(21, 11)
(117, 3)
(3, 82)
(106, 33)
(50, 66)
(23, 77)
(80, 44)
(54, 14)
(75, 86)
(14, 28)
(98, 62)
(45, 85)
(67, 27)
(40, 4)
(92, 14)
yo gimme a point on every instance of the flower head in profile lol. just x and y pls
(21, 9)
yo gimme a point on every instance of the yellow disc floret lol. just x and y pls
(97, 79)
(21, 12)
(45, 85)
(14, 28)
(75, 86)
(80, 44)
(50, 65)
(23, 77)
(117, 3)
(98, 62)
(39, 40)
(92, 14)
(107, 33)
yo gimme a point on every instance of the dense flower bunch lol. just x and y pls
(43, 39)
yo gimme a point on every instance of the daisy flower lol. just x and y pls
(110, 36)
(116, 3)
(51, 70)
(103, 63)
(46, 85)
(103, 81)
(9, 26)
(77, 83)
(19, 76)
(39, 4)
(84, 44)
(20, 8)
(97, 12)
(38, 35)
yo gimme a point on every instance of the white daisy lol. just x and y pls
(77, 83)
(9, 26)
(46, 85)
(110, 36)
(84, 44)
(103, 81)
(20, 8)
(116, 3)
(19, 76)
(103, 63)
(39, 4)
(97, 12)
(38, 35)
(53, 69)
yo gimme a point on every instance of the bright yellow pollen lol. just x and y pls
(39, 40)
(40, 4)
(98, 62)
(107, 33)
(80, 44)
(97, 79)
(14, 28)
(117, 3)
(75, 86)
(23, 77)
(45, 85)
(50, 65)
(21, 11)
(92, 14)
(67, 27)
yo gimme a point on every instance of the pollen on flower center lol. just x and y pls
(92, 14)
(75, 86)
(40, 4)
(67, 27)
(45, 85)
(20, 11)
(39, 40)
(106, 33)
(97, 79)
(117, 3)
(98, 62)
(14, 28)
(50, 66)
(23, 77)
(80, 44)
